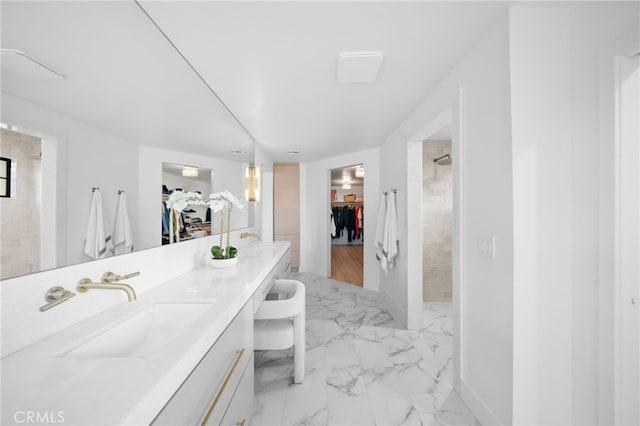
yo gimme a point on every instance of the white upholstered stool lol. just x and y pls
(280, 324)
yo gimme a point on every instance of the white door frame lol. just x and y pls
(452, 115)
(626, 240)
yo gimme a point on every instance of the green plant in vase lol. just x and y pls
(224, 202)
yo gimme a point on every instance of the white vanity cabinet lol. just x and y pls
(282, 267)
(220, 390)
(204, 371)
(205, 395)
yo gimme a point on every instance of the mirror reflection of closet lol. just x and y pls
(347, 224)
(194, 220)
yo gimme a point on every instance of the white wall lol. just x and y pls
(558, 304)
(542, 186)
(594, 133)
(488, 284)
(315, 201)
(565, 306)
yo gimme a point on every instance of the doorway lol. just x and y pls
(20, 205)
(347, 224)
(437, 218)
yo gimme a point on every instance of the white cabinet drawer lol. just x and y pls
(210, 386)
(281, 268)
(241, 407)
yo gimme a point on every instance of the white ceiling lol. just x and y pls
(273, 64)
(121, 76)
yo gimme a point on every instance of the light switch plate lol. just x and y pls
(487, 247)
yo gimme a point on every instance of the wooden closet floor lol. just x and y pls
(346, 264)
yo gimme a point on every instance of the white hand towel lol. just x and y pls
(98, 240)
(379, 238)
(122, 235)
(333, 224)
(390, 245)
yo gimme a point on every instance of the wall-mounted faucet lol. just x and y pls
(109, 283)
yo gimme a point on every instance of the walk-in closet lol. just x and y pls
(347, 224)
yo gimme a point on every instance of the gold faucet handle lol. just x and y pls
(55, 296)
(110, 277)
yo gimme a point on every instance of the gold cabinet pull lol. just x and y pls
(242, 423)
(224, 385)
(267, 289)
(286, 268)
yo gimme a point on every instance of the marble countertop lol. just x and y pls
(97, 391)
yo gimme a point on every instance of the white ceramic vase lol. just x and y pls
(223, 263)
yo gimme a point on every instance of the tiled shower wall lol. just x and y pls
(437, 221)
(20, 214)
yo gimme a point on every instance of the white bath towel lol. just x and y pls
(390, 244)
(122, 235)
(378, 241)
(98, 239)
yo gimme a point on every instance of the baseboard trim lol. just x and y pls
(312, 271)
(478, 406)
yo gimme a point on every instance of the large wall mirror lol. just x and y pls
(94, 96)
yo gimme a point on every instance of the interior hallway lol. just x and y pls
(347, 264)
(362, 367)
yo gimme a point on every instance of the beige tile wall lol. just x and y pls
(437, 221)
(20, 215)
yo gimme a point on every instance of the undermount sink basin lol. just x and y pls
(142, 335)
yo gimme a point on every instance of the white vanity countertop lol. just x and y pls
(110, 391)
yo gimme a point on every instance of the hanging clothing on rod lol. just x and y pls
(347, 217)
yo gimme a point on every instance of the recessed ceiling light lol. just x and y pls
(293, 152)
(359, 67)
(26, 66)
(189, 171)
(235, 151)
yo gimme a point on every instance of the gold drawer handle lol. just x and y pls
(242, 423)
(224, 385)
(267, 289)
(286, 268)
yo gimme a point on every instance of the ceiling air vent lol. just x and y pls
(359, 67)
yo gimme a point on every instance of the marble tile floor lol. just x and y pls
(362, 367)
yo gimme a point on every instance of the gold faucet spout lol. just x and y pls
(85, 285)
